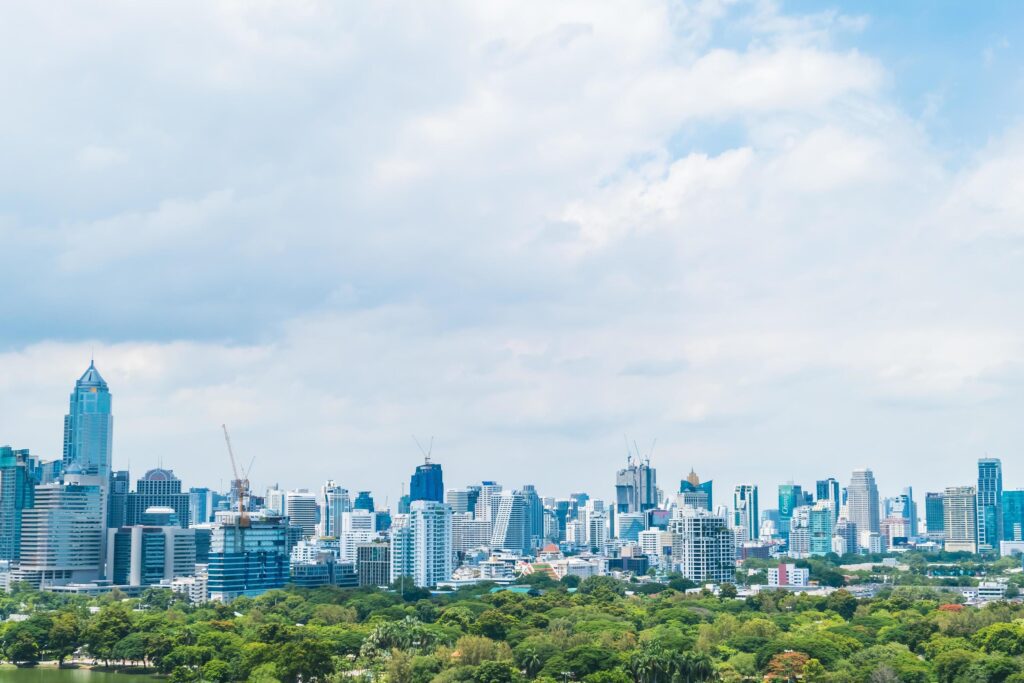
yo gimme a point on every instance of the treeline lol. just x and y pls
(600, 632)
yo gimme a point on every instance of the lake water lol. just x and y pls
(53, 675)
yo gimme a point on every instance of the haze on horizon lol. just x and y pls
(785, 241)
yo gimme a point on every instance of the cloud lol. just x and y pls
(518, 228)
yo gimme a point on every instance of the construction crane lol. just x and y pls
(241, 485)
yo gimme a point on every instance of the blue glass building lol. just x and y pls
(364, 501)
(248, 560)
(88, 426)
(1013, 515)
(791, 496)
(16, 494)
(427, 483)
(990, 503)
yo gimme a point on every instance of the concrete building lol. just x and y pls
(959, 507)
(862, 501)
(703, 548)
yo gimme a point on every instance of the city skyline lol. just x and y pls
(769, 235)
(426, 481)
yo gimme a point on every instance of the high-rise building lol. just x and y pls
(248, 560)
(746, 515)
(468, 532)
(791, 496)
(695, 493)
(117, 498)
(89, 426)
(157, 488)
(1013, 515)
(990, 503)
(402, 550)
(703, 546)
(934, 516)
(61, 534)
(200, 505)
(364, 501)
(636, 487)
(510, 526)
(373, 564)
(959, 505)
(904, 506)
(534, 516)
(427, 483)
(143, 555)
(862, 501)
(432, 557)
(16, 494)
(829, 490)
(629, 525)
(334, 502)
(820, 525)
(301, 509)
(463, 500)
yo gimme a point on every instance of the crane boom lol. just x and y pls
(241, 485)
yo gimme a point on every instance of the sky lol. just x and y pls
(772, 241)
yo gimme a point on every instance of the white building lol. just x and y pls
(862, 505)
(300, 508)
(63, 534)
(960, 514)
(421, 543)
(703, 546)
(194, 587)
(788, 575)
(334, 502)
(510, 525)
(469, 532)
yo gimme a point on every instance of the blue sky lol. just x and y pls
(784, 239)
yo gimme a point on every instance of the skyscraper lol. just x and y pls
(990, 503)
(791, 496)
(334, 503)
(829, 490)
(703, 547)
(934, 516)
(248, 560)
(510, 526)
(364, 501)
(695, 493)
(1013, 515)
(157, 488)
(636, 487)
(862, 501)
(89, 426)
(534, 515)
(300, 506)
(427, 483)
(960, 510)
(16, 494)
(431, 526)
(61, 534)
(745, 511)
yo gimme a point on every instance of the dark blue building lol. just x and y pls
(364, 501)
(427, 483)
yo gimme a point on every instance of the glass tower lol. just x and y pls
(88, 427)
(427, 483)
(990, 500)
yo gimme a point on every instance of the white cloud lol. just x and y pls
(525, 229)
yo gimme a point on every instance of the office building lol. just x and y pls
(117, 499)
(427, 483)
(302, 511)
(791, 496)
(62, 533)
(694, 493)
(157, 488)
(248, 560)
(703, 546)
(534, 516)
(990, 504)
(201, 505)
(636, 487)
(746, 515)
(146, 555)
(510, 526)
(17, 492)
(364, 501)
(862, 501)
(334, 503)
(373, 564)
(468, 532)
(829, 490)
(1013, 515)
(88, 427)
(629, 525)
(934, 516)
(959, 505)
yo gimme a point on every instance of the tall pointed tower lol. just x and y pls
(89, 427)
